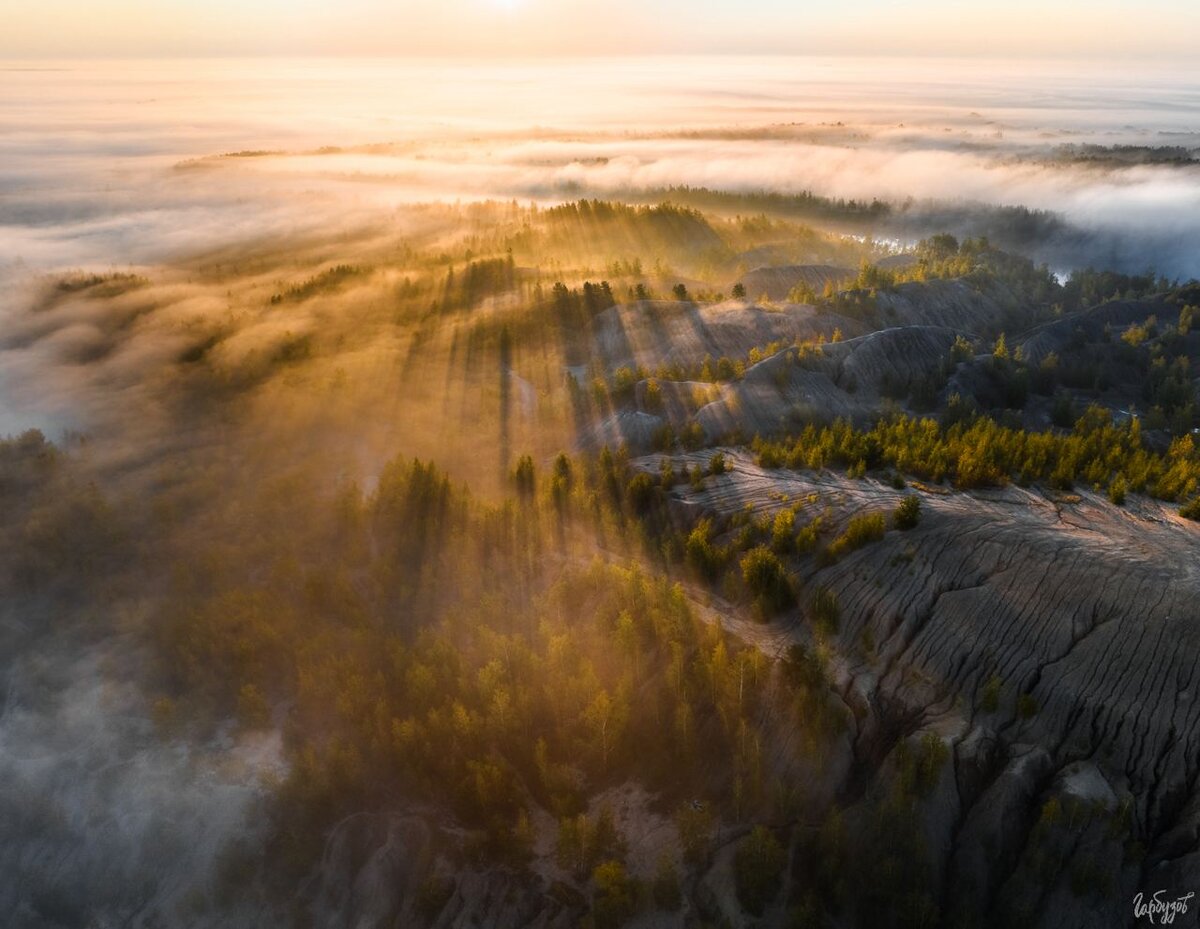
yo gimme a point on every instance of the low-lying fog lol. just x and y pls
(90, 152)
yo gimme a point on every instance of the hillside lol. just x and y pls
(494, 567)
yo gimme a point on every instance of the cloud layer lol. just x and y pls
(89, 155)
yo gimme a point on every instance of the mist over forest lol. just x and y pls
(657, 492)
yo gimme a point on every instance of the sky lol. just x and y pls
(38, 29)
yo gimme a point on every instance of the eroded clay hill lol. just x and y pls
(836, 380)
(1052, 640)
(777, 283)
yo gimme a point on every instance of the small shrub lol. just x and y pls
(691, 436)
(804, 669)
(561, 482)
(809, 535)
(652, 399)
(767, 580)
(961, 350)
(757, 869)
(624, 381)
(613, 902)
(908, 512)
(641, 492)
(524, 476)
(826, 612)
(700, 554)
(783, 532)
(861, 530)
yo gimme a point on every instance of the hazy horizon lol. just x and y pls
(528, 27)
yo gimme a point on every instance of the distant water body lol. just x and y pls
(91, 152)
